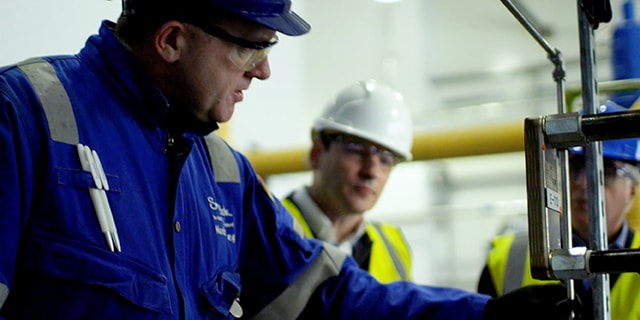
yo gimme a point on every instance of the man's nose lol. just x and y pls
(262, 70)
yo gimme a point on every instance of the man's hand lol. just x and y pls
(548, 302)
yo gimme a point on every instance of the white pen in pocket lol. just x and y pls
(105, 201)
(99, 196)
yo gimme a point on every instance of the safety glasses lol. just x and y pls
(244, 54)
(612, 169)
(361, 150)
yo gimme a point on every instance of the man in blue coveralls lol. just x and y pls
(118, 202)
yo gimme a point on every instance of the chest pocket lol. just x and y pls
(63, 268)
(82, 179)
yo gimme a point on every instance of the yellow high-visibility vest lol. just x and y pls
(390, 258)
(508, 274)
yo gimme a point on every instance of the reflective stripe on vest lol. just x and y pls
(290, 303)
(516, 263)
(376, 231)
(508, 267)
(297, 218)
(53, 98)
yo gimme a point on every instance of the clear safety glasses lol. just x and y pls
(361, 149)
(612, 169)
(244, 54)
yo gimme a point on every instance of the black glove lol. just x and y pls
(548, 302)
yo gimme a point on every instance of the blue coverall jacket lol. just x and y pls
(191, 245)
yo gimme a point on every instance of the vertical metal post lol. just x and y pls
(563, 157)
(593, 153)
(555, 56)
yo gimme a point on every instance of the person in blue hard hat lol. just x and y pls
(119, 201)
(621, 159)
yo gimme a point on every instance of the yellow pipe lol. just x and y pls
(279, 161)
(480, 140)
(470, 141)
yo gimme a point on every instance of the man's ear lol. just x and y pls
(634, 189)
(314, 154)
(168, 40)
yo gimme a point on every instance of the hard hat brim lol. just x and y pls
(288, 23)
(326, 125)
(275, 15)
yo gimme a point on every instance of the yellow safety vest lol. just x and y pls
(390, 258)
(508, 274)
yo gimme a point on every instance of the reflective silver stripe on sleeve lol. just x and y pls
(53, 98)
(297, 227)
(223, 163)
(290, 303)
(514, 271)
(4, 293)
(392, 252)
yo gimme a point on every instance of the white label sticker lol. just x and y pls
(553, 200)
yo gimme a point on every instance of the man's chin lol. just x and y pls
(362, 206)
(223, 117)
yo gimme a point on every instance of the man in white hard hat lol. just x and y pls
(357, 140)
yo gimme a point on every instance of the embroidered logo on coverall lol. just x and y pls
(224, 222)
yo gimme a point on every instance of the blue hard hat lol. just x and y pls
(273, 14)
(621, 149)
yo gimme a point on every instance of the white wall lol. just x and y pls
(42, 27)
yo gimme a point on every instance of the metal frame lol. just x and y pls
(547, 139)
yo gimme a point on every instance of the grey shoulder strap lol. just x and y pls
(223, 163)
(53, 98)
(291, 302)
(4, 293)
(514, 271)
(392, 251)
(62, 122)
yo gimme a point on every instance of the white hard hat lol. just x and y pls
(371, 111)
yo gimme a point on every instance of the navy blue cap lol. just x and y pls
(273, 14)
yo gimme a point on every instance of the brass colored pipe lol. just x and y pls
(479, 140)
(470, 141)
(279, 161)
